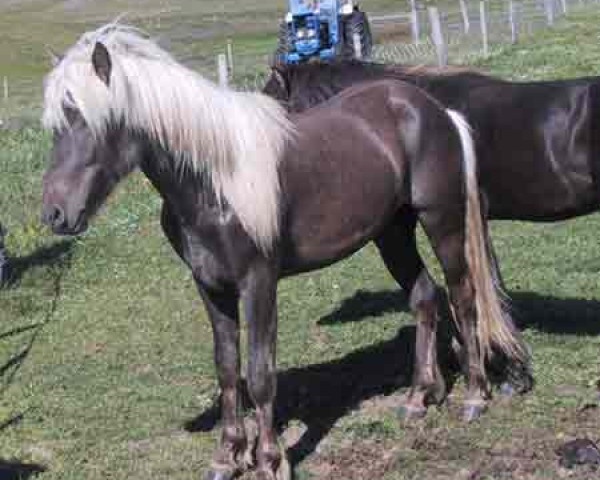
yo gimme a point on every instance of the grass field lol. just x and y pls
(195, 30)
(106, 353)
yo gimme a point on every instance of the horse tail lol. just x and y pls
(495, 327)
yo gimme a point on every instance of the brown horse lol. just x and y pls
(252, 195)
(537, 143)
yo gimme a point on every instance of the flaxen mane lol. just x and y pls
(237, 138)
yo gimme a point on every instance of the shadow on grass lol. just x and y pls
(572, 316)
(318, 395)
(56, 254)
(18, 471)
(11, 422)
(364, 304)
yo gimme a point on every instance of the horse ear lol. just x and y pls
(55, 58)
(102, 62)
(277, 72)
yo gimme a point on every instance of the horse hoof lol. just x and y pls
(219, 475)
(472, 412)
(508, 390)
(408, 412)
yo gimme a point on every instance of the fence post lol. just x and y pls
(414, 21)
(484, 28)
(358, 53)
(514, 27)
(564, 6)
(230, 55)
(223, 73)
(465, 15)
(549, 4)
(438, 37)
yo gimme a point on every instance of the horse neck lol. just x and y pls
(188, 193)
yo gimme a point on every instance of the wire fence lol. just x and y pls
(468, 30)
(471, 30)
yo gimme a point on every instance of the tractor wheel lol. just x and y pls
(357, 24)
(285, 44)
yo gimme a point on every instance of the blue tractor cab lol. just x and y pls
(323, 30)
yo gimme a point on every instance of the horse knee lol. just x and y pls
(425, 294)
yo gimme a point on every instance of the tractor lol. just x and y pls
(323, 30)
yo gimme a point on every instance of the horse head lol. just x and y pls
(85, 164)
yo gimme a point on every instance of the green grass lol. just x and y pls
(196, 31)
(106, 352)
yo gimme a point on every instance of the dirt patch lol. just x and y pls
(357, 461)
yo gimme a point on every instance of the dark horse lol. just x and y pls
(538, 147)
(252, 195)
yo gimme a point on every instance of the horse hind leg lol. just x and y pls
(449, 246)
(398, 248)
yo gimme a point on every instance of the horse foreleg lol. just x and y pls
(260, 308)
(398, 248)
(222, 308)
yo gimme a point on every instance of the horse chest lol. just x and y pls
(217, 251)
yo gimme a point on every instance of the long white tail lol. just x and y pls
(495, 327)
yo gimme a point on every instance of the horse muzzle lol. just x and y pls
(57, 219)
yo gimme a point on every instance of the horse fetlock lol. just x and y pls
(277, 467)
(429, 391)
(232, 454)
(269, 454)
(436, 392)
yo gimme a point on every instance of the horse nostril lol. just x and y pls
(54, 216)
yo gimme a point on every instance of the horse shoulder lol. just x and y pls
(215, 247)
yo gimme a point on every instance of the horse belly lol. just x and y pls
(535, 150)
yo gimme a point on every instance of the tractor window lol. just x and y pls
(300, 22)
(306, 27)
